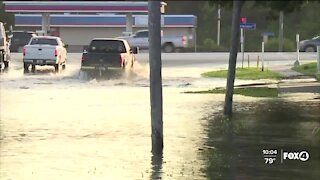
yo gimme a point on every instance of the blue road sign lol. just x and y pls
(267, 34)
(248, 25)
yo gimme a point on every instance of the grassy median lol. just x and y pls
(248, 91)
(309, 69)
(245, 74)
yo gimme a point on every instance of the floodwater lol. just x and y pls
(60, 126)
(281, 125)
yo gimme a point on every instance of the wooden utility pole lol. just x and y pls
(233, 56)
(219, 25)
(281, 31)
(154, 25)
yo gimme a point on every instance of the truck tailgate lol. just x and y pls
(101, 60)
(44, 52)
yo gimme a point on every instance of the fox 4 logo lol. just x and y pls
(302, 156)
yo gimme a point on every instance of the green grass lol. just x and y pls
(249, 91)
(245, 74)
(309, 69)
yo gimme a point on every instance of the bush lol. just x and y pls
(209, 43)
(273, 45)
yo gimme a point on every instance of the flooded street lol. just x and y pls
(93, 133)
(275, 126)
(60, 126)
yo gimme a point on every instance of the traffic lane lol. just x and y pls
(16, 66)
(220, 60)
(181, 76)
(201, 58)
(170, 67)
(174, 64)
(224, 56)
(168, 60)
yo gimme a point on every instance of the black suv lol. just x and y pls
(20, 39)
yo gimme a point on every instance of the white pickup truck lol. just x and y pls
(44, 50)
(169, 43)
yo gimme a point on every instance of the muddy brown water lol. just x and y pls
(281, 125)
(59, 126)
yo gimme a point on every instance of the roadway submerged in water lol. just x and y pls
(272, 127)
(60, 126)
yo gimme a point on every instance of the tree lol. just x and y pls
(283, 7)
(237, 4)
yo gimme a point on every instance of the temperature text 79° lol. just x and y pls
(269, 160)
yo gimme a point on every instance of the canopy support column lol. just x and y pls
(45, 26)
(129, 23)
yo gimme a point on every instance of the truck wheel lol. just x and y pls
(310, 49)
(26, 67)
(33, 68)
(1, 56)
(132, 62)
(56, 67)
(168, 48)
(6, 64)
(123, 65)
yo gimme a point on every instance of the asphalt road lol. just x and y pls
(200, 59)
(184, 65)
(184, 59)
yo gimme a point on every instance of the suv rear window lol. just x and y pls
(142, 34)
(44, 41)
(105, 46)
(22, 37)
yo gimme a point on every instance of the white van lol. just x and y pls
(4, 50)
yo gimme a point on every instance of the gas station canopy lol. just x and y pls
(77, 6)
(57, 7)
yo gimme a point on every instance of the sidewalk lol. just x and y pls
(295, 82)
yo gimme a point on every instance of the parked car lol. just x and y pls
(4, 47)
(169, 43)
(20, 39)
(108, 54)
(45, 50)
(309, 45)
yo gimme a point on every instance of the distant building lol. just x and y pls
(78, 29)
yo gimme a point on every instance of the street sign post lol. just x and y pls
(242, 44)
(248, 25)
(262, 56)
(243, 26)
(297, 62)
(318, 58)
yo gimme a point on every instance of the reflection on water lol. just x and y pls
(238, 143)
(104, 133)
(156, 162)
(57, 126)
(97, 132)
